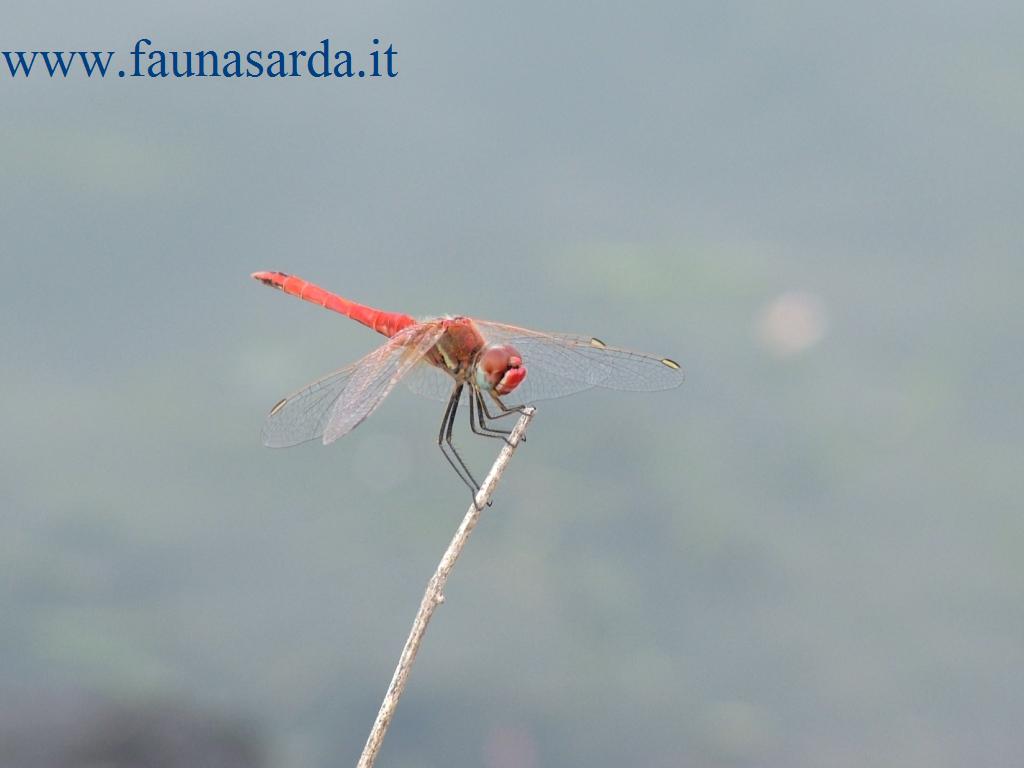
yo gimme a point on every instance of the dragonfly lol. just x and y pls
(443, 358)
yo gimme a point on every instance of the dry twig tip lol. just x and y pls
(434, 595)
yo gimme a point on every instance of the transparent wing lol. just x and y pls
(559, 364)
(431, 382)
(336, 404)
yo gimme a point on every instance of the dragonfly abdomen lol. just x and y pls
(387, 323)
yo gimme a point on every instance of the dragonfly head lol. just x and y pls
(500, 369)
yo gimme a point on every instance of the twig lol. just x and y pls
(434, 595)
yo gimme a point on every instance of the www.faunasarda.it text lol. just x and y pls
(145, 60)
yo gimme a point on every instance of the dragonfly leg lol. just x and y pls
(505, 410)
(445, 428)
(476, 418)
(444, 442)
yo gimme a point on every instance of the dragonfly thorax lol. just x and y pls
(457, 349)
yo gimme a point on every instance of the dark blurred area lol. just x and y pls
(78, 730)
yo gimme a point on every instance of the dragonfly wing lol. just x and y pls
(303, 415)
(368, 387)
(559, 364)
(336, 404)
(430, 381)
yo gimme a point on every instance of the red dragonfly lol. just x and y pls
(443, 357)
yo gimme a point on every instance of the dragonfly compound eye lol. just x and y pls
(513, 378)
(500, 368)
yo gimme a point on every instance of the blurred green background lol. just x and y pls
(809, 555)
